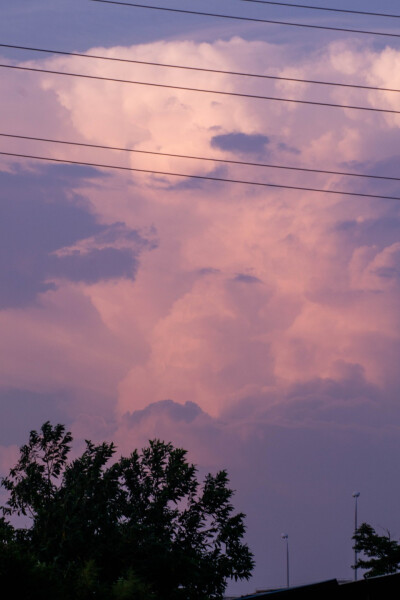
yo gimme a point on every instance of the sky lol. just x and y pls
(257, 327)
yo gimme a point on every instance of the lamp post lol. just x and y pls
(285, 537)
(355, 496)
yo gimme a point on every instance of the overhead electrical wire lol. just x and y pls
(251, 19)
(201, 90)
(201, 69)
(202, 158)
(200, 177)
(326, 8)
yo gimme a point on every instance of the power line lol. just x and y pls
(201, 177)
(201, 69)
(202, 158)
(200, 90)
(252, 19)
(330, 9)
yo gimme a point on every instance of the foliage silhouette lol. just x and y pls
(383, 553)
(140, 527)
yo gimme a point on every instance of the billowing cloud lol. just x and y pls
(262, 329)
(324, 266)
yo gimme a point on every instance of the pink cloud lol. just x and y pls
(194, 330)
(273, 313)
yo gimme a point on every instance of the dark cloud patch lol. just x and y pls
(119, 231)
(106, 263)
(208, 271)
(381, 231)
(334, 297)
(201, 182)
(388, 272)
(23, 410)
(388, 167)
(346, 400)
(392, 269)
(242, 143)
(67, 172)
(39, 216)
(285, 148)
(243, 278)
(186, 413)
(190, 183)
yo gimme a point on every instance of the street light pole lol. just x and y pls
(286, 538)
(355, 496)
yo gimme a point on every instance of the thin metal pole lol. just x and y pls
(355, 551)
(285, 537)
(355, 496)
(287, 562)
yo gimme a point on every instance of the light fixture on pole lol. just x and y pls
(355, 496)
(285, 537)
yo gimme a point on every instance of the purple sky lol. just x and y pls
(256, 327)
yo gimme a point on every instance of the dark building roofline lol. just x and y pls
(372, 588)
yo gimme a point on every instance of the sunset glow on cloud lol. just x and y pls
(213, 314)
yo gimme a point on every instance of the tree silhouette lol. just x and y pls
(139, 527)
(382, 554)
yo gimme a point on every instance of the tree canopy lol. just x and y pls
(380, 554)
(141, 527)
